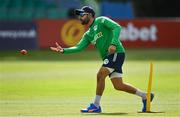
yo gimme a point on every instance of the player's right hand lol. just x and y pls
(58, 48)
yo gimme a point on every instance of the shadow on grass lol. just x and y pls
(104, 114)
(115, 113)
(152, 112)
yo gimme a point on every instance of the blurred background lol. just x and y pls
(63, 9)
(37, 24)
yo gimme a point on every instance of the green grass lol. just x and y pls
(131, 54)
(41, 85)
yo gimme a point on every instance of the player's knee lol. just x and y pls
(101, 75)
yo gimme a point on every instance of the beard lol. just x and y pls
(85, 21)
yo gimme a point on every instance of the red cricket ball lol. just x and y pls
(23, 52)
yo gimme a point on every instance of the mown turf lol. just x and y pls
(131, 54)
(51, 87)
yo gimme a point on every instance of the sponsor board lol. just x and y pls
(150, 33)
(134, 33)
(66, 32)
(18, 35)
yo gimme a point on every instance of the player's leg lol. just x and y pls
(116, 78)
(95, 107)
(101, 75)
(120, 85)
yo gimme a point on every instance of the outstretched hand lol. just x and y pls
(58, 48)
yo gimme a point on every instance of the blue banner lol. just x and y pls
(18, 35)
(117, 10)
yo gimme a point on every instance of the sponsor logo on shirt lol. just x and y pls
(96, 37)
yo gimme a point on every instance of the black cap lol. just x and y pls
(84, 10)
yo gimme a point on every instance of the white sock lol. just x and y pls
(141, 94)
(97, 100)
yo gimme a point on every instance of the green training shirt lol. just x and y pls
(102, 33)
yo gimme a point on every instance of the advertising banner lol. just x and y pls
(66, 32)
(134, 33)
(18, 35)
(150, 33)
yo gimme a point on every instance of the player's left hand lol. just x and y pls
(112, 49)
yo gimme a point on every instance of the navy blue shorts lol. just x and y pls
(114, 61)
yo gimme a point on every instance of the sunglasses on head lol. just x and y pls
(82, 14)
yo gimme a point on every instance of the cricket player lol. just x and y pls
(104, 34)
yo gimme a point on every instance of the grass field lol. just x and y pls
(45, 84)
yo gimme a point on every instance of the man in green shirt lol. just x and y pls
(104, 34)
